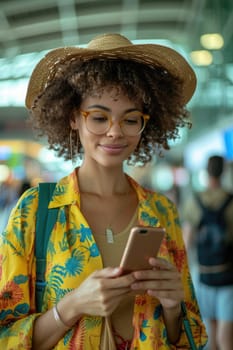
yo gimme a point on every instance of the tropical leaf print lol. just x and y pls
(142, 336)
(161, 207)
(25, 205)
(94, 251)
(8, 242)
(20, 279)
(75, 264)
(62, 216)
(51, 248)
(85, 233)
(68, 336)
(92, 322)
(60, 293)
(60, 190)
(157, 312)
(72, 236)
(64, 245)
(21, 309)
(8, 332)
(19, 234)
(148, 219)
(177, 222)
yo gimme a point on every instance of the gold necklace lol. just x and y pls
(108, 231)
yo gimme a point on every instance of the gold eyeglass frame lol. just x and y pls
(85, 114)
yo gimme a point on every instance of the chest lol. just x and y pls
(114, 212)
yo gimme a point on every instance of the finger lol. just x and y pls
(111, 304)
(155, 274)
(108, 272)
(112, 278)
(123, 281)
(166, 294)
(160, 285)
(161, 264)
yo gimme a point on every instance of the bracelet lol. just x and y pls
(58, 319)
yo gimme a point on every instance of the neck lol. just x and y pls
(107, 182)
(214, 182)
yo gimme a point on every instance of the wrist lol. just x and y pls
(174, 311)
(59, 321)
(67, 310)
(173, 320)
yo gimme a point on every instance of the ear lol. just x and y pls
(74, 121)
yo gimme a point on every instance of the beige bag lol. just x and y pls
(107, 338)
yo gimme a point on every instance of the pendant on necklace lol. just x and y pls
(109, 235)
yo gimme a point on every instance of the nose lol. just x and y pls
(115, 129)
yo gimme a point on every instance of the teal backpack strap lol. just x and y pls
(45, 221)
(187, 327)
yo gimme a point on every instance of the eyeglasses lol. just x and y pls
(99, 122)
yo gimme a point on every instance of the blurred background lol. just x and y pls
(201, 30)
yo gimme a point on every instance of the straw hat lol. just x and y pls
(112, 46)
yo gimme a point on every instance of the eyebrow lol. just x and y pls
(109, 110)
(100, 107)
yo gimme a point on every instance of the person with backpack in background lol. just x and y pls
(109, 103)
(208, 228)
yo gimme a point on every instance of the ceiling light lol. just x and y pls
(213, 41)
(201, 57)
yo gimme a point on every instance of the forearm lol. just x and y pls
(48, 329)
(172, 320)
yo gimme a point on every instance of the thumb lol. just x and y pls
(109, 272)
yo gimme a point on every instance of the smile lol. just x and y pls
(113, 149)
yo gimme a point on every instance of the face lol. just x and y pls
(111, 147)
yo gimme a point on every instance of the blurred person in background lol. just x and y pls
(8, 197)
(110, 102)
(215, 276)
(10, 191)
(25, 184)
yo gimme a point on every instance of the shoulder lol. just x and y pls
(28, 202)
(155, 199)
(23, 214)
(20, 229)
(162, 207)
(159, 197)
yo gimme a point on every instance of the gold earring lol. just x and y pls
(71, 143)
(140, 144)
(77, 142)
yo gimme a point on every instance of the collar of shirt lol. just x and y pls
(67, 193)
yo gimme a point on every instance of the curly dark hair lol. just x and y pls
(156, 91)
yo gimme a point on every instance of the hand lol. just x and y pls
(102, 291)
(163, 281)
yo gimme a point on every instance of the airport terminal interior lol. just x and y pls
(201, 30)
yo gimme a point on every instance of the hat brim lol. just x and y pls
(149, 54)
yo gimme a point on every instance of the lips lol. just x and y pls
(113, 148)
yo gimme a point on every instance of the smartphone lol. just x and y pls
(143, 242)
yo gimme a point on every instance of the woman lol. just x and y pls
(212, 258)
(110, 102)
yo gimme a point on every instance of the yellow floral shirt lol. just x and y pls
(72, 255)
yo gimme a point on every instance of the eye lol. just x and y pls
(133, 118)
(131, 121)
(98, 117)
